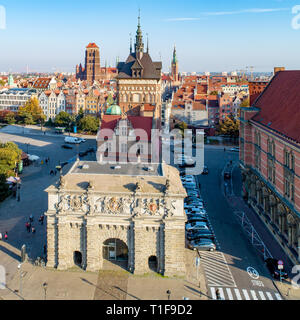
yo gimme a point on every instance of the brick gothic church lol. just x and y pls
(92, 70)
(139, 81)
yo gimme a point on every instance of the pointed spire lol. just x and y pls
(174, 55)
(139, 45)
(147, 43)
(130, 43)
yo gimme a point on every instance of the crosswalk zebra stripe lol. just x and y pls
(253, 293)
(277, 295)
(269, 295)
(246, 294)
(212, 278)
(222, 294)
(237, 293)
(213, 293)
(262, 295)
(229, 294)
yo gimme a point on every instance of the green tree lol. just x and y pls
(49, 123)
(229, 127)
(2, 83)
(10, 155)
(10, 118)
(63, 119)
(80, 115)
(89, 124)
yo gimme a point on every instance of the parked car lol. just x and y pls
(272, 265)
(235, 149)
(197, 226)
(82, 140)
(65, 146)
(199, 234)
(193, 218)
(203, 245)
(205, 170)
(83, 153)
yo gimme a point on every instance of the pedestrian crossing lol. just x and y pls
(216, 269)
(242, 294)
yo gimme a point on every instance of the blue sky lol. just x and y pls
(211, 35)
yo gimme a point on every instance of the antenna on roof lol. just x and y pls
(147, 42)
(130, 42)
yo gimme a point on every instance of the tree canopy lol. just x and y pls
(229, 127)
(10, 155)
(63, 119)
(89, 124)
(31, 113)
(245, 103)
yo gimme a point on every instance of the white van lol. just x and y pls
(72, 140)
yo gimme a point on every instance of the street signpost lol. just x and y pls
(197, 262)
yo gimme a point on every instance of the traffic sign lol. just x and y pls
(280, 262)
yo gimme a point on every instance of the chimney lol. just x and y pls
(277, 69)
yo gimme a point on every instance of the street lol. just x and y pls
(236, 269)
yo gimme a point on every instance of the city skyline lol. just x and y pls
(208, 37)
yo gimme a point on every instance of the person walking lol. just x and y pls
(31, 218)
(33, 230)
(41, 219)
(27, 226)
(218, 294)
(45, 249)
(6, 235)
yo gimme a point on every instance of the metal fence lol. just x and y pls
(252, 235)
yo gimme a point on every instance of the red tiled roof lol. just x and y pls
(110, 122)
(41, 83)
(199, 106)
(279, 104)
(92, 45)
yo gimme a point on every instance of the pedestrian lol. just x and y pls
(33, 229)
(28, 226)
(41, 219)
(218, 294)
(55, 172)
(31, 218)
(46, 161)
(45, 249)
(0, 236)
(6, 235)
(224, 149)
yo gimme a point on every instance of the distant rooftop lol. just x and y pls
(127, 169)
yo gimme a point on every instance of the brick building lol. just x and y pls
(270, 159)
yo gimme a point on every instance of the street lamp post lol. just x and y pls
(45, 286)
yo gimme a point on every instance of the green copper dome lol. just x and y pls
(114, 110)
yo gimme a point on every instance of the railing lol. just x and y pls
(252, 235)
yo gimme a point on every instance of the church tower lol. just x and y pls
(139, 44)
(92, 63)
(174, 66)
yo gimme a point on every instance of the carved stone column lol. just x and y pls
(92, 247)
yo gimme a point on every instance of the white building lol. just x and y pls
(13, 99)
(52, 103)
(233, 89)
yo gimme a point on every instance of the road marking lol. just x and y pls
(222, 294)
(226, 294)
(269, 295)
(237, 293)
(262, 295)
(246, 294)
(277, 295)
(213, 293)
(229, 293)
(253, 293)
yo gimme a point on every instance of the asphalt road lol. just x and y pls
(238, 252)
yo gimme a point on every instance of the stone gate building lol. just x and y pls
(131, 212)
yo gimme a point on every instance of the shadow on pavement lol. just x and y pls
(127, 293)
(88, 282)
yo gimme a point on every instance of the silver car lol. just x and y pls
(202, 245)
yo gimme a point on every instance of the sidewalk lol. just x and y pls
(116, 284)
(285, 288)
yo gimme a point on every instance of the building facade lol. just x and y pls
(270, 159)
(139, 81)
(13, 99)
(125, 214)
